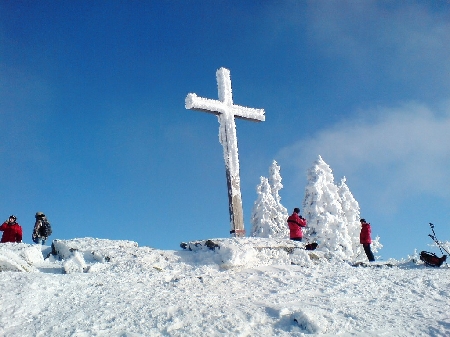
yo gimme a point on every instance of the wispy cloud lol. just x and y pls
(363, 31)
(403, 152)
(401, 47)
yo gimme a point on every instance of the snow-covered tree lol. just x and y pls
(275, 187)
(333, 214)
(351, 212)
(269, 215)
(323, 211)
(263, 213)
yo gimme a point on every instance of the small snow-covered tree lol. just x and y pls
(376, 245)
(323, 211)
(263, 212)
(269, 215)
(275, 187)
(351, 212)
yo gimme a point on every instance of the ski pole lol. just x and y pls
(434, 236)
(436, 240)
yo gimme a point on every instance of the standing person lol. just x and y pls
(42, 229)
(295, 223)
(365, 239)
(12, 231)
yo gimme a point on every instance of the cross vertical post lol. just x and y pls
(226, 112)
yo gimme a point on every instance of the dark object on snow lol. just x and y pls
(184, 245)
(211, 245)
(373, 264)
(311, 246)
(432, 259)
(199, 244)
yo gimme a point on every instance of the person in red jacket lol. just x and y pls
(365, 239)
(295, 223)
(12, 231)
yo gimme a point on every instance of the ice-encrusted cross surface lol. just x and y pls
(226, 112)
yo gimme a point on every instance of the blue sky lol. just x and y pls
(96, 135)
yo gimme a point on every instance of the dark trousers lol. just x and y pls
(368, 252)
(296, 239)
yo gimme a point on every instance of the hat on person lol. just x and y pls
(362, 220)
(13, 217)
(297, 210)
(39, 215)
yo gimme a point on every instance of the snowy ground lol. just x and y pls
(97, 287)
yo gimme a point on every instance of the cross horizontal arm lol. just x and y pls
(250, 114)
(217, 107)
(204, 104)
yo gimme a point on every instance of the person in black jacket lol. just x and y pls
(40, 231)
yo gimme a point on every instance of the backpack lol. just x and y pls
(46, 229)
(431, 259)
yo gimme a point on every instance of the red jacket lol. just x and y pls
(295, 224)
(11, 232)
(364, 236)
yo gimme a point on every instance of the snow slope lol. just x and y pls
(245, 287)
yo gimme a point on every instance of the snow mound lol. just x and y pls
(19, 257)
(75, 264)
(98, 248)
(89, 255)
(309, 322)
(83, 255)
(253, 251)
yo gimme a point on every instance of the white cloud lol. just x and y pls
(403, 152)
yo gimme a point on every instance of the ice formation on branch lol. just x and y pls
(226, 111)
(268, 214)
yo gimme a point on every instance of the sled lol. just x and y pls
(431, 259)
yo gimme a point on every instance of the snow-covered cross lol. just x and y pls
(226, 111)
